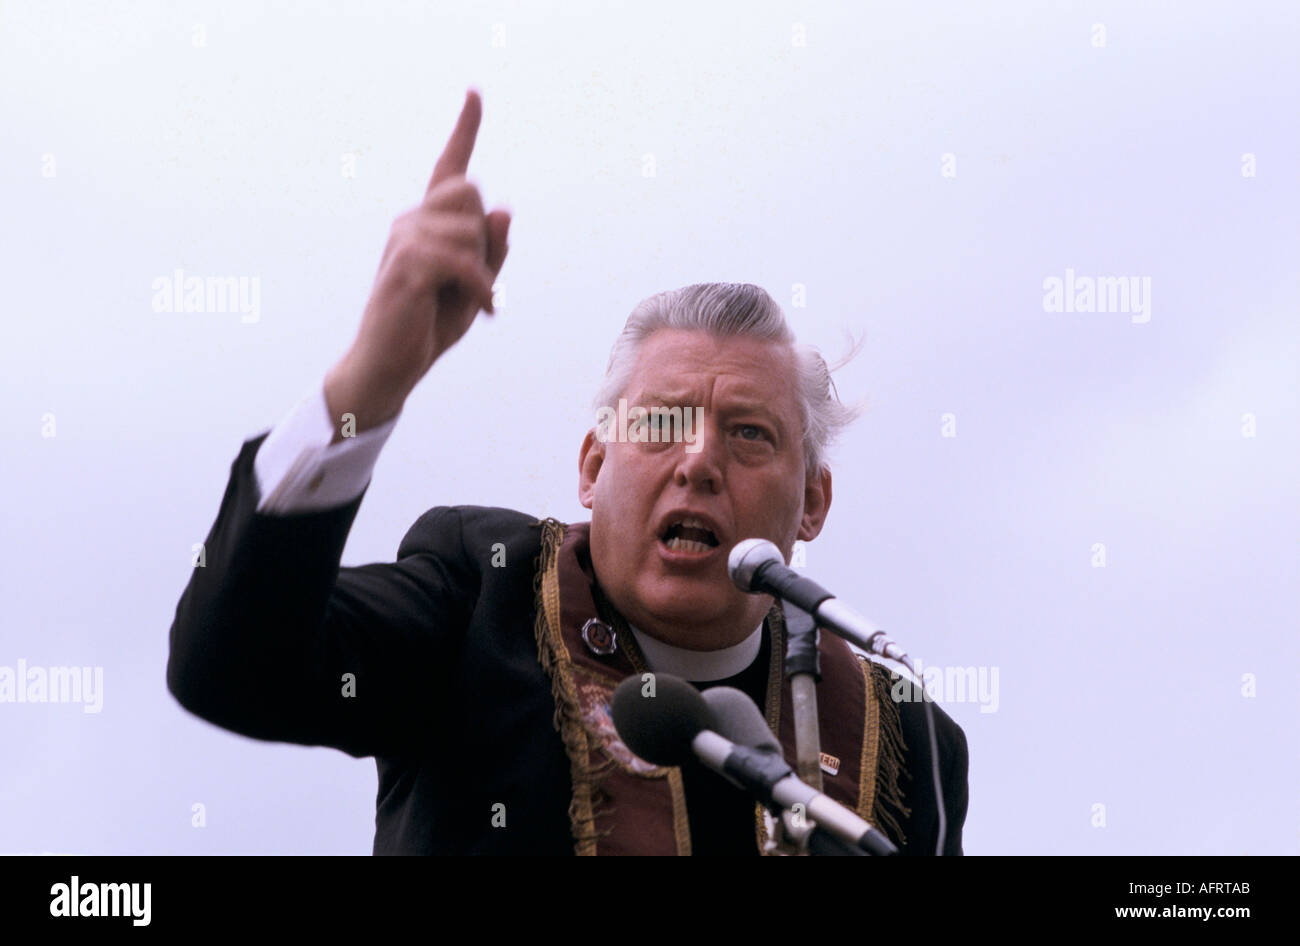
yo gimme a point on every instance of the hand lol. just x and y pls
(436, 273)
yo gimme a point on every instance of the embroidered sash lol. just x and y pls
(624, 805)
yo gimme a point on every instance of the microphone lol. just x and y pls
(739, 719)
(758, 567)
(679, 723)
(662, 727)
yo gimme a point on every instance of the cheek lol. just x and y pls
(621, 507)
(629, 486)
(609, 486)
(780, 514)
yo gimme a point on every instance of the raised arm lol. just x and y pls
(436, 273)
(272, 638)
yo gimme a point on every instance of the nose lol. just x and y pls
(700, 464)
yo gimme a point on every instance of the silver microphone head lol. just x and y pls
(736, 717)
(746, 557)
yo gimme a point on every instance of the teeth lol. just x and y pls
(693, 523)
(678, 544)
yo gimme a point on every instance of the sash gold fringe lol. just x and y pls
(887, 806)
(676, 785)
(554, 659)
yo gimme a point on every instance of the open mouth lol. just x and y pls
(689, 535)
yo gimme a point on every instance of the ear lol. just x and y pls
(591, 457)
(816, 504)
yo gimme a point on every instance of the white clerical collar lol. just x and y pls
(699, 666)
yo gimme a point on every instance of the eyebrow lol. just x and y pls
(741, 406)
(755, 407)
(670, 400)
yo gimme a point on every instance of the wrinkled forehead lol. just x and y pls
(684, 366)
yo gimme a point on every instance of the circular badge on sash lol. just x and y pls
(599, 637)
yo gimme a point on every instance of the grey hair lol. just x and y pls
(735, 309)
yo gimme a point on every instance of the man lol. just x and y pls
(477, 668)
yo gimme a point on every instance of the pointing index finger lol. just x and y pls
(454, 160)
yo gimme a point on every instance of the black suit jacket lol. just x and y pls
(446, 690)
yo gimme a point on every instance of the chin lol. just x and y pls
(687, 606)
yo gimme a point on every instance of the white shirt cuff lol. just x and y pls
(298, 470)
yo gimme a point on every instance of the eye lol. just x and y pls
(752, 432)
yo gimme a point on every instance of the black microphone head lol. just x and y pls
(747, 557)
(738, 719)
(660, 727)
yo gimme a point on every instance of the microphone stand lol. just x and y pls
(794, 833)
(803, 669)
